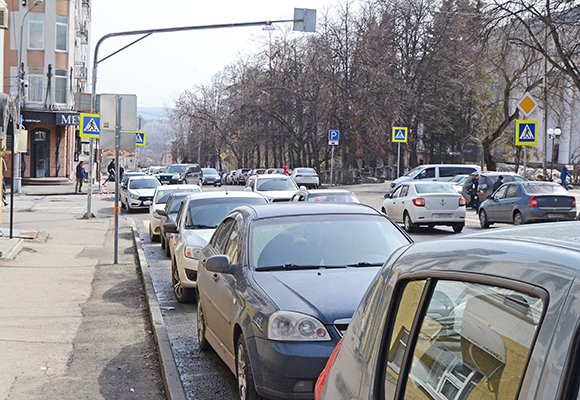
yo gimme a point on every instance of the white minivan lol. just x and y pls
(435, 172)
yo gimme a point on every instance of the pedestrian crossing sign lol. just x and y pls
(526, 133)
(90, 125)
(140, 138)
(399, 134)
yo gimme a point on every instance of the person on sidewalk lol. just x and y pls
(80, 174)
(111, 171)
(564, 176)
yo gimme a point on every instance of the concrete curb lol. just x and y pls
(171, 380)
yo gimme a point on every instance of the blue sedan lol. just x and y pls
(278, 285)
(522, 202)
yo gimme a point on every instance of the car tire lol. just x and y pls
(518, 219)
(483, 220)
(167, 249)
(407, 223)
(244, 373)
(182, 295)
(457, 228)
(201, 330)
(154, 238)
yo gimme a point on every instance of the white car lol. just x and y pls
(195, 223)
(160, 197)
(426, 203)
(275, 187)
(137, 192)
(305, 177)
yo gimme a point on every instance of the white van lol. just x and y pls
(435, 172)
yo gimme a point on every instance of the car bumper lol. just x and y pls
(444, 217)
(284, 366)
(306, 182)
(138, 204)
(187, 270)
(171, 181)
(549, 215)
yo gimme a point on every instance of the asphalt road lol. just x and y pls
(203, 374)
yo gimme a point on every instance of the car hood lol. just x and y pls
(142, 192)
(327, 294)
(197, 237)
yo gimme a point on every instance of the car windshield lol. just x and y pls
(207, 213)
(335, 197)
(269, 184)
(415, 171)
(175, 169)
(176, 203)
(209, 171)
(143, 183)
(324, 241)
(544, 188)
(434, 188)
(163, 194)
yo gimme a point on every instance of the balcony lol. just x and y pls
(86, 3)
(83, 31)
(80, 71)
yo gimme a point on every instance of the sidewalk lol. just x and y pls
(72, 323)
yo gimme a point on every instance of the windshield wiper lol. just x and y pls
(365, 264)
(293, 267)
(200, 226)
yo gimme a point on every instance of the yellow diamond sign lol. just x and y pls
(527, 104)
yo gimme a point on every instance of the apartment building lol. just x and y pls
(54, 54)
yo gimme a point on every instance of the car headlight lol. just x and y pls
(176, 176)
(134, 196)
(192, 252)
(292, 326)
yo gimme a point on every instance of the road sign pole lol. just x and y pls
(331, 164)
(117, 177)
(89, 213)
(399, 160)
(525, 159)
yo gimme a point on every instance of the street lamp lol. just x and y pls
(16, 179)
(553, 134)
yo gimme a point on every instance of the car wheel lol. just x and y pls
(407, 223)
(154, 238)
(483, 221)
(518, 220)
(458, 228)
(244, 372)
(203, 343)
(183, 295)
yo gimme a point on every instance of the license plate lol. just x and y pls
(442, 215)
(556, 215)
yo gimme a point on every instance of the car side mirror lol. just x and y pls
(488, 197)
(170, 227)
(161, 212)
(387, 196)
(123, 186)
(220, 264)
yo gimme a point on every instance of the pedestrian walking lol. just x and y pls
(497, 183)
(474, 192)
(111, 171)
(80, 174)
(286, 172)
(564, 176)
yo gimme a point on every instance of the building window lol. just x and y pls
(61, 32)
(60, 79)
(36, 31)
(35, 84)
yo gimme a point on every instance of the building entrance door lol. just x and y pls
(40, 153)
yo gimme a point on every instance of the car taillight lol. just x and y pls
(533, 202)
(321, 381)
(316, 175)
(297, 175)
(462, 202)
(419, 202)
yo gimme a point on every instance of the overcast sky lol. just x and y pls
(160, 67)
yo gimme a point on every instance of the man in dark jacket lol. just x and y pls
(80, 174)
(111, 171)
(474, 192)
(497, 183)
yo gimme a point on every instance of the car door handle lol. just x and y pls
(215, 277)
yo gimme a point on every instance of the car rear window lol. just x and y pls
(544, 188)
(434, 188)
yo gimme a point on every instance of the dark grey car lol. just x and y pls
(486, 182)
(522, 202)
(494, 315)
(278, 285)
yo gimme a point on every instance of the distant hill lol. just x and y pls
(151, 113)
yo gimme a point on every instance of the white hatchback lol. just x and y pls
(160, 198)
(426, 203)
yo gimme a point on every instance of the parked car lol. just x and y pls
(274, 187)
(168, 215)
(230, 178)
(160, 198)
(137, 193)
(153, 170)
(492, 315)
(275, 171)
(278, 285)
(332, 195)
(486, 182)
(457, 182)
(434, 172)
(128, 175)
(196, 220)
(211, 177)
(305, 177)
(181, 174)
(426, 203)
(522, 202)
(241, 176)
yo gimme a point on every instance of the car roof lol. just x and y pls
(326, 191)
(224, 194)
(270, 176)
(136, 177)
(283, 209)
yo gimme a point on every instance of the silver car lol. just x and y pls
(494, 315)
(305, 177)
(426, 203)
(137, 192)
(275, 187)
(160, 198)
